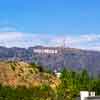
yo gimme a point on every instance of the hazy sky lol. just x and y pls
(48, 22)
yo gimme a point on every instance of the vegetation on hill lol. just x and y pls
(22, 74)
(73, 82)
(22, 81)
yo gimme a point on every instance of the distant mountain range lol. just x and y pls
(70, 58)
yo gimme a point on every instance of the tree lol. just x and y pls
(84, 80)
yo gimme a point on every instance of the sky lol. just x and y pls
(25, 23)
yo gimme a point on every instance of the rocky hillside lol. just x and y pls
(23, 74)
(69, 57)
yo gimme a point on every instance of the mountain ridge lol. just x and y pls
(71, 58)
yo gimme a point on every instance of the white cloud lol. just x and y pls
(20, 39)
(91, 37)
(7, 28)
(10, 35)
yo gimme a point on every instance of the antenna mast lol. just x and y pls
(64, 43)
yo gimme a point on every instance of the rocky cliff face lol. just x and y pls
(70, 58)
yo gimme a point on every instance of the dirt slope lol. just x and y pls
(23, 74)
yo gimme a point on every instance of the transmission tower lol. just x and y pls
(64, 43)
(63, 49)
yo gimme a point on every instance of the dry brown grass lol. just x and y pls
(22, 74)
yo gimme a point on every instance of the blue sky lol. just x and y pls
(50, 20)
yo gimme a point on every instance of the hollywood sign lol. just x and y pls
(47, 51)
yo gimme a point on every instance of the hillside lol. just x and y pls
(23, 81)
(69, 57)
(23, 74)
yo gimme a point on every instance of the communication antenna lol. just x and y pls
(63, 49)
(64, 43)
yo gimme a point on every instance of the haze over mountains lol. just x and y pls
(70, 58)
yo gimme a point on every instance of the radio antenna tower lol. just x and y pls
(64, 43)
